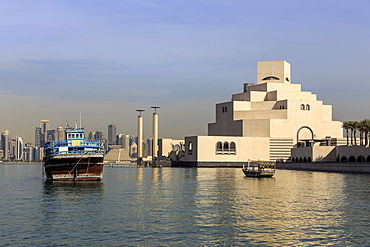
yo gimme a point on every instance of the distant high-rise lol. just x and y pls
(148, 147)
(126, 142)
(50, 135)
(119, 139)
(12, 148)
(28, 152)
(112, 132)
(5, 144)
(90, 136)
(18, 148)
(60, 133)
(38, 137)
(133, 150)
(98, 135)
(44, 124)
(37, 153)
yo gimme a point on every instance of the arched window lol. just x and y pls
(73, 135)
(309, 160)
(190, 148)
(343, 159)
(225, 108)
(219, 148)
(360, 158)
(304, 160)
(352, 159)
(232, 148)
(270, 78)
(302, 107)
(226, 148)
(368, 158)
(307, 107)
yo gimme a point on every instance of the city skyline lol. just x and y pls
(108, 59)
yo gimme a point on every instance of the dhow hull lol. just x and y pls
(74, 169)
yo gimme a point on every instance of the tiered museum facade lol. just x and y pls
(264, 122)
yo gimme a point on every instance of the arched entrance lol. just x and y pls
(305, 127)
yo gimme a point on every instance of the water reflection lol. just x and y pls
(69, 209)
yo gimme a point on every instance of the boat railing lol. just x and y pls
(260, 164)
(65, 143)
(78, 152)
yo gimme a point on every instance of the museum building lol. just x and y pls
(264, 122)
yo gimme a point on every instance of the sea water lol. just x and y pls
(184, 207)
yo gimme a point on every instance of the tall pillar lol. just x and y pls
(155, 134)
(139, 137)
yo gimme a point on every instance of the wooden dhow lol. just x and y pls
(75, 158)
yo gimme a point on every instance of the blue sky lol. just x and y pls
(108, 58)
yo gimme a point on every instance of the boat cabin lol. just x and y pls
(75, 134)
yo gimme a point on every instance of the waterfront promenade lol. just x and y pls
(327, 167)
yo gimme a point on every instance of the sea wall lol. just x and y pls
(209, 164)
(327, 167)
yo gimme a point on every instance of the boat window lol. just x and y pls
(69, 135)
(73, 135)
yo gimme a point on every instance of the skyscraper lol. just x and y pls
(50, 135)
(90, 136)
(98, 135)
(38, 137)
(44, 124)
(60, 133)
(5, 144)
(119, 139)
(112, 132)
(126, 142)
(18, 148)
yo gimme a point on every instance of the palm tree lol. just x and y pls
(366, 127)
(346, 126)
(361, 129)
(356, 126)
(352, 126)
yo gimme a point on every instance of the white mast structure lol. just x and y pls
(139, 137)
(155, 135)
